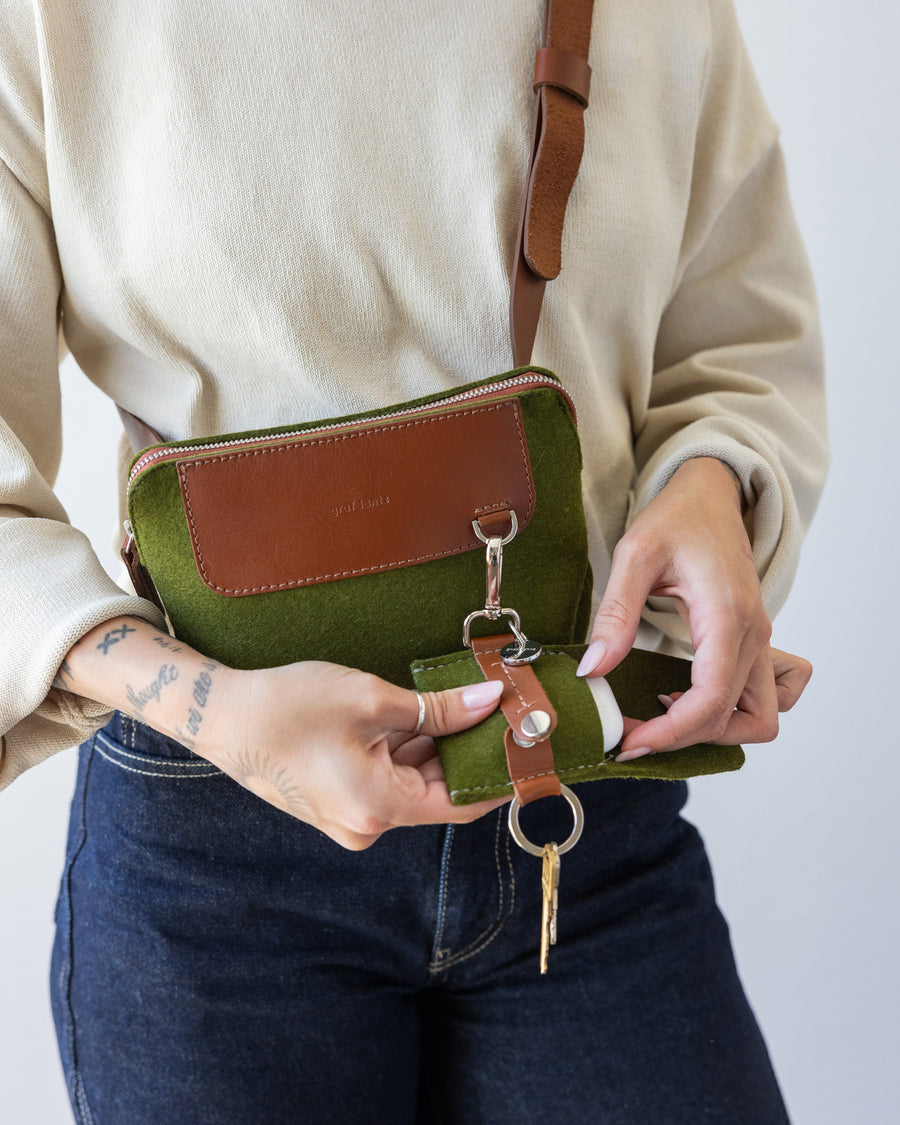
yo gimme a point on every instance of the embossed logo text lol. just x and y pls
(360, 505)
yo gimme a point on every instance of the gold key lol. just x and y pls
(549, 854)
(549, 884)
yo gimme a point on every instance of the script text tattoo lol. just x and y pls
(167, 674)
(167, 642)
(202, 687)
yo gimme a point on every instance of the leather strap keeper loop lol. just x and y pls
(531, 767)
(531, 771)
(563, 70)
(561, 82)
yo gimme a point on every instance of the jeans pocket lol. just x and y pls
(138, 749)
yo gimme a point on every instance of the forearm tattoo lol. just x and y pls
(202, 687)
(114, 636)
(167, 642)
(64, 674)
(168, 674)
(279, 786)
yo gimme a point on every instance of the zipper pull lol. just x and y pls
(139, 575)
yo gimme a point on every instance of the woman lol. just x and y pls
(266, 213)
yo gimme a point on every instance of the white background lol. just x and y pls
(805, 840)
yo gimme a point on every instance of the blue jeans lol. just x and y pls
(217, 962)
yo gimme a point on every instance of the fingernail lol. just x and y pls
(666, 701)
(480, 695)
(630, 755)
(596, 650)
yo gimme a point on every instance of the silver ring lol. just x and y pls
(421, 720)
(508, 538)
(574, 836)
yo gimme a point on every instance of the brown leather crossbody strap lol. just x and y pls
(139, 434)
(561, 81)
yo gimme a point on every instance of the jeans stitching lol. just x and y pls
(79, 1094)
(487, 935)
(490, 932)
(157, 772)
(437, 952)
(114, 749)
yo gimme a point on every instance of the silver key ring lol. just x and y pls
(574, 836)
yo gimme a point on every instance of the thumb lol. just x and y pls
(459, 708)
(616, 624)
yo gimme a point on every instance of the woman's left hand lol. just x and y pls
(690, 544)
(792, 674)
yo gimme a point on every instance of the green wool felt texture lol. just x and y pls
(384, 622)
(381, 622)
(474, 760)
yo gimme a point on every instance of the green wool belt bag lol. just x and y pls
(361, 541)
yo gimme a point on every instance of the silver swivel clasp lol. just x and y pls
(521, 650)
(494, 545)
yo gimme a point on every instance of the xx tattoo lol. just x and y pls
(114, 636)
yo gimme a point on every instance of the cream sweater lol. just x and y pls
(252, 212)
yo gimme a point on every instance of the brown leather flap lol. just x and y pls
(333, 505)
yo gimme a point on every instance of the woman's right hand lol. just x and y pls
(338, 748)
(332, 746)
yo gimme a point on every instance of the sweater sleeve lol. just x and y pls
(53, 588)
(738, 358)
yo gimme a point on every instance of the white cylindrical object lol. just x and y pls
(608, 709)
